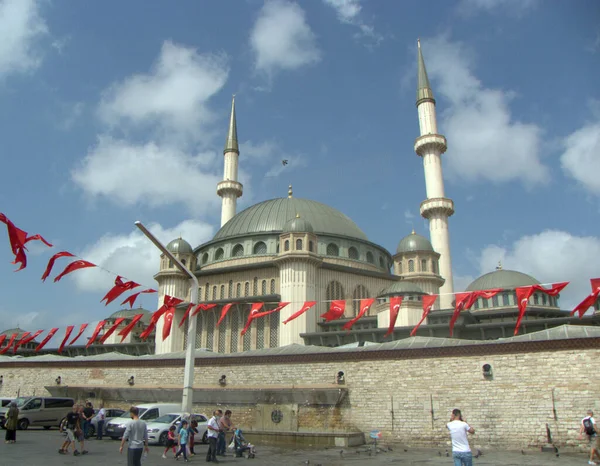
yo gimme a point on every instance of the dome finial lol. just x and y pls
(413, 232)
(297, 215)
(290, 192)
(499, 266)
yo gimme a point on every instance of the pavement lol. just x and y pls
(39, 447)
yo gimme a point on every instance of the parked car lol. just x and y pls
(40, 411)
(5, 402)
(110, 414)
(159, 428)
(115, 428)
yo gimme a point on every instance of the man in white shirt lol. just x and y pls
(590, 428)
(212, 434)
(461, 451)
(100, 425)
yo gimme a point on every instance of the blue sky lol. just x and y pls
(112, 112)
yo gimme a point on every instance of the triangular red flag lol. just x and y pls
(117, 290)
(305, 307)
(97, 330)
(66, 337)
(336, 310)
(2, 338)
(365, 305)
(18, 239)
(168, 323)
(595, 283)
(26, 339)
(81, 330)
(224, 312)
(203, 307)
(428, 302)
(112, 329)
(130, 325)
(253, 312)
(187, 313)
(523, 294)
(51, 262)
(19, 343)
(279, 307)
(72, 267)
(46, 339)
(168, 302)
(588, 302)
(131, 299)
(395, 303)
(10, 343)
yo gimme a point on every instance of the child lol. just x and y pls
(171, 441)
(193, 432)
(183, 440)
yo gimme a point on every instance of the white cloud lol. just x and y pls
(348, 12)
(132, 255)
(150, 173)
(281, 39)
(486, 142)
(581, 158)
(173, 95)
(21, 27)
(550, 256)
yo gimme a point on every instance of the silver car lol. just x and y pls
(159, 428)
(110, 413)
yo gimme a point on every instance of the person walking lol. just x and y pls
(225, 425)
(184, 434)
(12, 420)
(171, 442)
(101, 416)
(461, 451)
(87, 415)
(193, 432)
(137, 435)
(71, 426)
(212, 433)
(590, 429)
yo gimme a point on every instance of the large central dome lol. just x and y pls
(272, 215)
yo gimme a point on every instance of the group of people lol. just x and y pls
(217, 428)
(77, 427)
(184, 438)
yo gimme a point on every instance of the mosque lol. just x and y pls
(296, 250)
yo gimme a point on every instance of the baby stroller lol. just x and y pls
(241, 447)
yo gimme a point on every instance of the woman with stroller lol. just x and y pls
(240, 445)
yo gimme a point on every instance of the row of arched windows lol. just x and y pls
(259, 248)
(335, 290)
(423, 268)
(235, 290)
(510, 299)
(334, 250)
(299, 245)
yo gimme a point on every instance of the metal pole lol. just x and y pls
(190, 351)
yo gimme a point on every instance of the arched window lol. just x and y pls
(495, 301)
(370, 258)
(246, 288)
(411, 265)
(381, 262)
(230, 289)
(206, 290)
(544, 299)
(235, 320)
(260, 248)
(434, 266)
(214, 292)
(286, 245)
(204, 258)
(183, 261)
(335, 290)
(277, 248)
(263, 288)
(298, 244)
(222, 296)
(210, 330)
(171, 265)
(353, 253)
(255, 287)
(219, 254)
(505, 300)
(476, 305)
(238, 290)
(333, 250)
(423, 265)
(273, 286)
(310, 246)
(484, 303)
(400, 267)
(536, 298)
(238, 250)
(360, 292)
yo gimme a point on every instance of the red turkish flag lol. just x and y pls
(305, 307)
(187, 313)
(81, 330)
(66, 337)
(19, 343)
(131, 299)
(51, 262)
(130, 326)
(365, 305)
(395, 303)
(97, 330)
(253, 312)
(26, 339)
(117, 290)
(168, 323)
(224, 312)
(336, 310)
(595, 283)
(112, 329)
(46, 339)
(2, 338)
(279, 307)
(168, 303)
(465, 301)
(525, 292)
(72, 267)
(588, 302)
(428, 302)
(18, 239)
(203, 307)
(10, 343)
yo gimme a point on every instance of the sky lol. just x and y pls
(112, 112)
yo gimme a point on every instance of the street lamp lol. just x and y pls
(190, 351)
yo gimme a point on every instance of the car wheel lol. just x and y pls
(23, 424)
(162, 440)
(205, 438)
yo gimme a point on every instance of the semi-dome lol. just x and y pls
(11, 331)
(505, 279)
(272, 215)
(402, 287)
(413, 243)
(131, 313)
(180, 246)
(298, 225)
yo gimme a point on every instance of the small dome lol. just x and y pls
(11, 331)
(505, 279)
(402, 287)
(298, 225)
(180, 246)
(131, 313)
(413, 243)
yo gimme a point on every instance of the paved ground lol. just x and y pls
(40, 448)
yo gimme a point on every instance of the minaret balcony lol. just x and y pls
(430, 143)
(437, 205)
(227, 187)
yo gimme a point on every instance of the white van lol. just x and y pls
(40, 411)
(115, 428)
(5, 402)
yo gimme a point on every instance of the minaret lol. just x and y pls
(436, 208)
(230, 189)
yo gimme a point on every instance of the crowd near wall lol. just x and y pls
(406, 394)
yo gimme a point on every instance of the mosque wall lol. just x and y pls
(407, 394)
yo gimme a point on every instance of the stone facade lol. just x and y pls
(407, 394)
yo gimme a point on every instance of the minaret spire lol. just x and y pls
(437, 207)
(230, 189)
